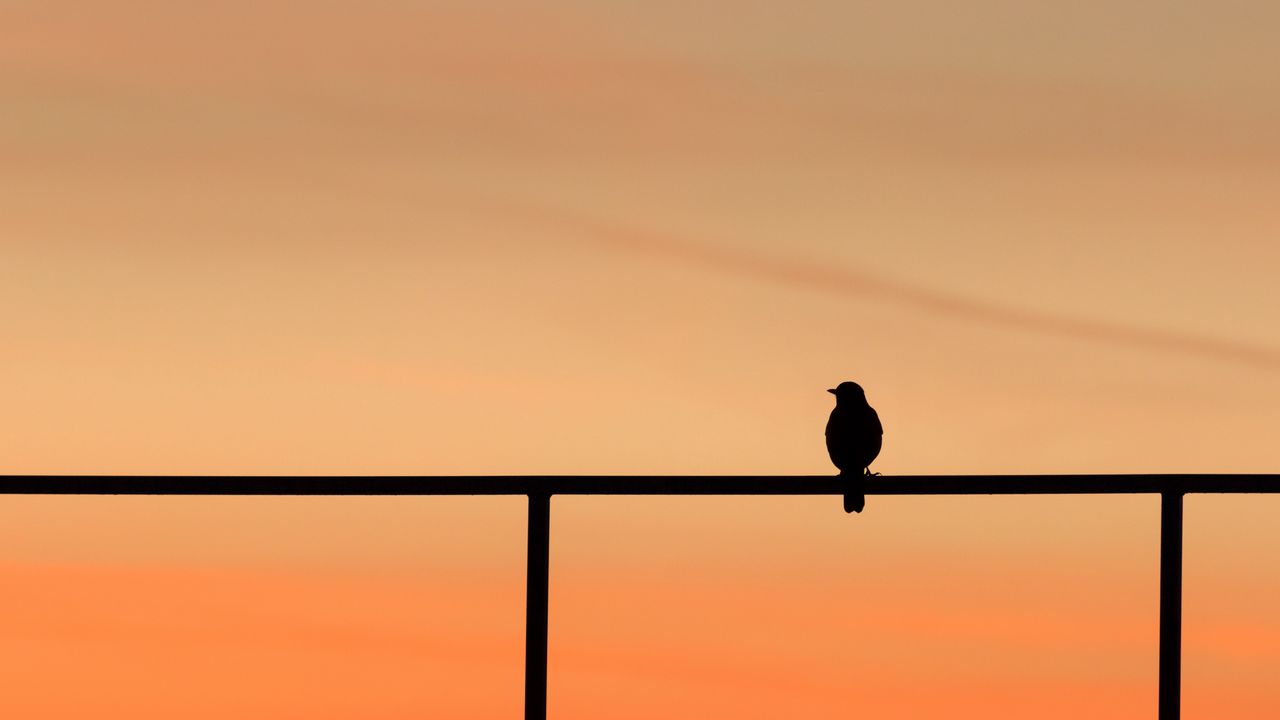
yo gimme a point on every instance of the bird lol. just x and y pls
(854, 437)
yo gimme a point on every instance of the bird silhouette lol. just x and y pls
(854, 437)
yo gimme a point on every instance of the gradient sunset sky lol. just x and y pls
(566, 236)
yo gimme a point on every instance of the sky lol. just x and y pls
(519, 237)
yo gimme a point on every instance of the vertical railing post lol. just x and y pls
(535, 638)
(1170, 605)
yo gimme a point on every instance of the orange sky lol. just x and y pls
(563, 236)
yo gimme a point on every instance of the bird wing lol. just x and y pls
(875, 419)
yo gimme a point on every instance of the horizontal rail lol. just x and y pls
(540, 488)
(634, 484)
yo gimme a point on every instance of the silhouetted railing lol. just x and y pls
(539, 490)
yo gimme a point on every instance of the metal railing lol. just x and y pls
(539, 489)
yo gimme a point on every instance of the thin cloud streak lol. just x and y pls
(854, 284)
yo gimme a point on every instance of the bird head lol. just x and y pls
(848, 392)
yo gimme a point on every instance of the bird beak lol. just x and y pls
(831, 390)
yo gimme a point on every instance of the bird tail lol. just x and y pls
(854, 499)
(854, 502)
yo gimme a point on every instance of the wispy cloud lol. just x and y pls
(854, 284)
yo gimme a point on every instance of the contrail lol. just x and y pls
(854, 284)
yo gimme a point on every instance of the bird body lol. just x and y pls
(854, 437)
